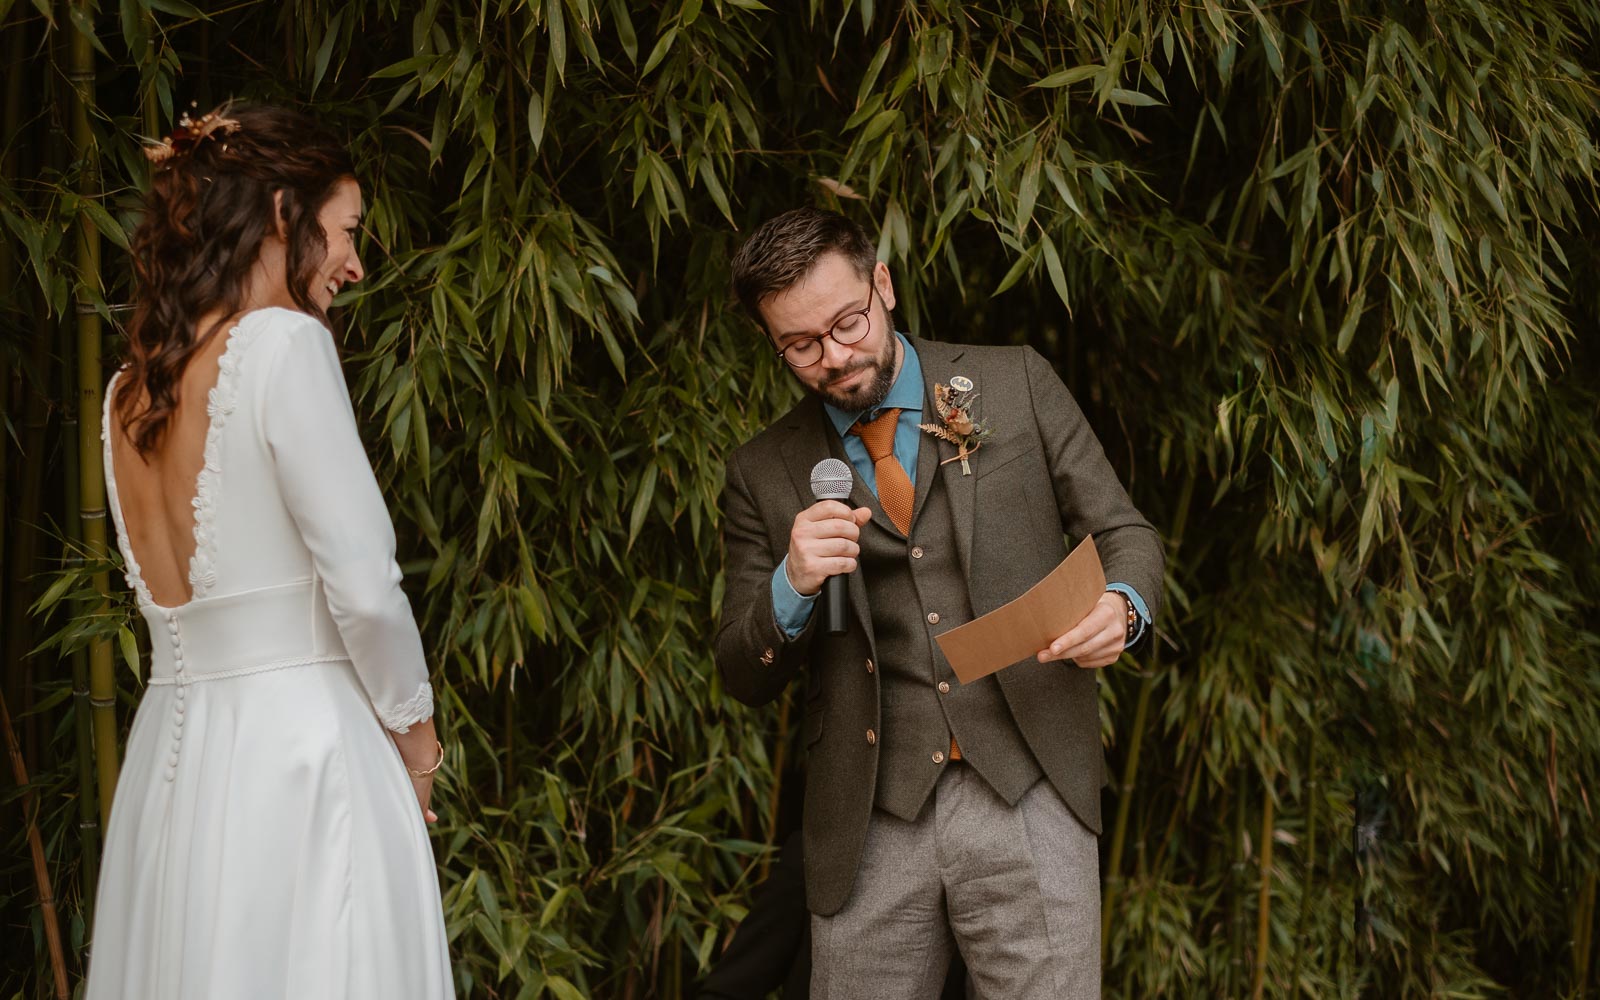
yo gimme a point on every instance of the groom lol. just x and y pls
(938, 815)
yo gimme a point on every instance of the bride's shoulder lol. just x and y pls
(276, 322)
(275, 332)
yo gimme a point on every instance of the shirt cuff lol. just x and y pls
(1139, 608)
(790, 608)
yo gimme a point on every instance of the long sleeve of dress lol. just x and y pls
(327, 482)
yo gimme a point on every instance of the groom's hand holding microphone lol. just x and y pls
(825, 541)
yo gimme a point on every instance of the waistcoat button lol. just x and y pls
(872, 738)
(916, 552)
(933, 618)
(869, 666)
(944, 687)
(938, 758)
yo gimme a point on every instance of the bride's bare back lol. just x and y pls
(157, 491)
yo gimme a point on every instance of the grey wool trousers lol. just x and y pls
(1015, 888)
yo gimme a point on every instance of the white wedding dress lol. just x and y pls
(265, 841)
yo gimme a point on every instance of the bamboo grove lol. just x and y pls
(1320, 272)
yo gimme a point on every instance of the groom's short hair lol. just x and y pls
(779, 253)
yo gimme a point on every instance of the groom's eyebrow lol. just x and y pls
(843, 311)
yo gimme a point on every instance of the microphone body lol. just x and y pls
(831, 479)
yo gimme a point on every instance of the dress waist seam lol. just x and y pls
(195, 677)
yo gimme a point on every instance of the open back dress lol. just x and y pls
(265, 842)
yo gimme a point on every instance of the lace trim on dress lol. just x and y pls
(219, 404)
(402, 717)
(130, 565)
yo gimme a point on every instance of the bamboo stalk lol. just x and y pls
(1583, 936)
(1313, 801)
(41, 870)
(102, 679)
(1264, 901)
(23, 563)
(82, 720)
(25, 522)
(1313, 790)
(10, 272)
(1236, 898)
(1130, 768)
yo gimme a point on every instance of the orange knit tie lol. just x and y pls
(895, 494)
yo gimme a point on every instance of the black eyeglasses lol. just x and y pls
(851, 329)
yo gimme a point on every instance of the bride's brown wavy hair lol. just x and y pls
(208, 212)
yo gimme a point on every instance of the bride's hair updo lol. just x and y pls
(208, 211)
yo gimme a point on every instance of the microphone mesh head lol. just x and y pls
(831, 480)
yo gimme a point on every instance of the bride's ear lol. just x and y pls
(279, 226)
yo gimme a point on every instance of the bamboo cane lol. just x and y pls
(16, 601)
(1264, 901)
(1130, 768)
(102, 679)
(41, 871)
(10, 273)
(1313, 789)
(25, 551)
(1583, 936)
(82, 721)
(1237, 869)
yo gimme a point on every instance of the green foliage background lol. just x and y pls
(1322, 274)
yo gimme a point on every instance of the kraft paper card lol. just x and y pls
(1017, 631)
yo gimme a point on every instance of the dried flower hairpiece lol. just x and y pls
(189, 134)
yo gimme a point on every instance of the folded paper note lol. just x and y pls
(1017, 631)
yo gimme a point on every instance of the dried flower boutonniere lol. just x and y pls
(956, 423)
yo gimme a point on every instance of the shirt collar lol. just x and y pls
(906, 393)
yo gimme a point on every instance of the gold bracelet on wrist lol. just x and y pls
(423, 774)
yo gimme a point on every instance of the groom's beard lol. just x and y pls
(870, 394)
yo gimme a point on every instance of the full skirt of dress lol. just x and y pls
(265, 844)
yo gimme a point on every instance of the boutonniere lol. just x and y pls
(956, 422)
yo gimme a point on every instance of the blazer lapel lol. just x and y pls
(927, 455)
(939, 365)
(805, 445)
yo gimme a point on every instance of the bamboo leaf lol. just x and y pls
(1067, 77)
(659, 52)
(1132, 97)
(1052, 263)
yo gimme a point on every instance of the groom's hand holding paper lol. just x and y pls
(1031, 623)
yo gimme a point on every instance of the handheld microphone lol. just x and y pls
(831, 480)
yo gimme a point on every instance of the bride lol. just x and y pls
(265, 841)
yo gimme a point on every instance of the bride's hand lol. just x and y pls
(424, 789)
(420, 751)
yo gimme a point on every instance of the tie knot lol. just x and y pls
(878, 433)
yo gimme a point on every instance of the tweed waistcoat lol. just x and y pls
(917, 590)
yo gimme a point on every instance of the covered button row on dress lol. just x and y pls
(180, 689)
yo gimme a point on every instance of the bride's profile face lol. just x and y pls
(340, 218)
